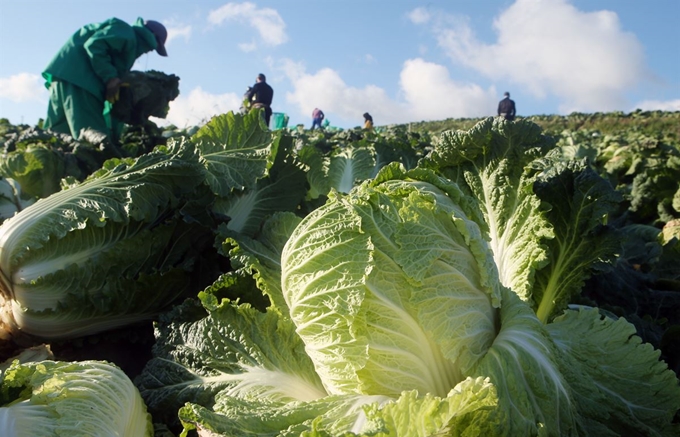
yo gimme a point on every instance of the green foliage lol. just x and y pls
(475, 276)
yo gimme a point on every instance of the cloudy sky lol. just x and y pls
(399, 60)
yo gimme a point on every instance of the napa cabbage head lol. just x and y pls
(79, 399)
(392, 288)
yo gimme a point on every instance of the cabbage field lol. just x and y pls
(463, 277)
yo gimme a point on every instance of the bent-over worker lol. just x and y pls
(87, 71)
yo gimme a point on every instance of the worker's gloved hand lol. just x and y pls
(113, 89)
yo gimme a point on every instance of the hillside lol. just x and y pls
(648, 122)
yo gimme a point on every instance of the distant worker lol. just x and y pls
(317, 117)
(506, 107)
(260, 95)
(368, 121)
(86, 72)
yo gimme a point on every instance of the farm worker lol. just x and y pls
(317, 117)
(84, 76)
(261, 95)
(368, 121)
(506, 107)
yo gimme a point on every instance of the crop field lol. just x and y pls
(454, 277)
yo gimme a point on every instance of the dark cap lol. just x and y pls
(161, 34)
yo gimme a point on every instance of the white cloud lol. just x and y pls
(419, 16)
(549, 47)
(345, 104)
(432, 95)
(326, 90)
(199, 106)
(658, 105)
(291, 69)
(248, 47)
(268, 23)
(178, 31)
(23, 87)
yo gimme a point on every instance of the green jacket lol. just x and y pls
(99, 52)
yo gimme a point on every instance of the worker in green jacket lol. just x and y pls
(84, 78)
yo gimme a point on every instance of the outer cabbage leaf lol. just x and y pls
(341, 170)
(346, 415)
(317, 170)
(240, 286)
(670, 231)
(340, 415)
(489, 162)
(545, 215)
(122, 191)
(261, 257)
(472, 400)
(350, 165)
(283, 189)
(236, 151)
(621, 386)
(79, 399)
(248, 351)
(524, 366)
(580, 204)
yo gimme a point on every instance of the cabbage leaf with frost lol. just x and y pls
(393, 321)
(79, 399)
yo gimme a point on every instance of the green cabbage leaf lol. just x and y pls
(545, 216)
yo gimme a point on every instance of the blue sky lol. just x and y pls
(400, 60)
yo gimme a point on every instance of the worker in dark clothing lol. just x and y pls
(261, 95)
(506, 107)
(84, 77)
(368, 121)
